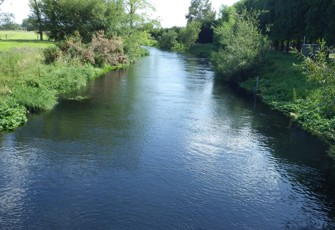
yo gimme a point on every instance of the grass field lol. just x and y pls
(18, 35)
(7, 45)
(19, 39)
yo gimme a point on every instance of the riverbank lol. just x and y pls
(285, 88)
(28, 85)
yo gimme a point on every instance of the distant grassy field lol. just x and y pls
(19, 39)
(7, 45)
(18, 35)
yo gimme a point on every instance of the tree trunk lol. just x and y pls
(282, 46)
(276, 44)
(41, 34)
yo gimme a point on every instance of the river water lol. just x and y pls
(164, 145)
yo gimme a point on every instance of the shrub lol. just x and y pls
(107, 51)
(320, 71)
(11, 116)
(51, 54)
(100, 51)
(133, 43)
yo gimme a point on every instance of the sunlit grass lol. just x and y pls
(18, 39)
(7, 45)
(18, 35)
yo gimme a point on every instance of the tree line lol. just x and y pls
(290, 23)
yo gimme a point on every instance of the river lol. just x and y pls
(164, 145)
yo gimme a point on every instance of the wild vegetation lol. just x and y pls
(240, 46)
(88, 38)
(301, 86)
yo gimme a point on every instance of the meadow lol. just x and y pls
(20, 39)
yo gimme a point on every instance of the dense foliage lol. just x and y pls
(181, 39)
(100, 52)
(288, 22)
(240, 45)
(201, 11)
(320, 71)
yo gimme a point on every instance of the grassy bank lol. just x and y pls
(28, 85)
(33, 78)
(285, 89)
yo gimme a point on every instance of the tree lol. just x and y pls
(137, 11)
(168, 39)
(28, 25)
(36, 18)
(7, 21)
(241, 46)
(66, 17)
(202, 11)
(189, 35)
(1, 1)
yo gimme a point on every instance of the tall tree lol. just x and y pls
(200, 10)
(203, 12)
(66, 17)
(137, 11)
(36, 16)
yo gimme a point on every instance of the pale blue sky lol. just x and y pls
(170, 12)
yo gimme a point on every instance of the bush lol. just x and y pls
(320, 71)
(133, 43)
(107, 51)
(99, 52)
(11, 116)
(51, 54)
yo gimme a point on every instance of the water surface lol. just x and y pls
(164, 145)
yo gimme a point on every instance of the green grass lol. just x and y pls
(27, 84)
(7, 45)
(18, 35)
(18, 39)
(285, 88)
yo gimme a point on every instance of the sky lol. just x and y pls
(169, 12)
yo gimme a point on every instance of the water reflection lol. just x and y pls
(163, 141)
